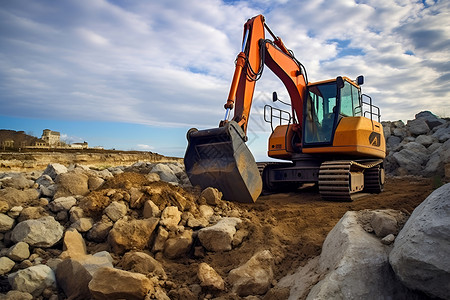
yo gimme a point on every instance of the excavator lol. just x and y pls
(331, 136)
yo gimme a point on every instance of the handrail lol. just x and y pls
(280, 115)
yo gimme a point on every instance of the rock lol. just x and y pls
(151, 210)
(126, 285)
(32, 213)
(83, 224)
(71, 183)
(410, 160)
(44, 232)
(115, 211)
(165, 173)
(99, 232)
(18, 295)
(140, 262)
(219, 237)
(19, 251)
(152, 177)
(6, 265)
(254, 277)
(33, 280)
(76, 213)
(389, 239)
(209, 278)
(94, 182)
(136, 198)
(417, 127)
(354, 265)
(425, 140)
(73, 279)
(4, 206)
(430, 119)
(421, 250)
(53, 170)
(442, 134)
(160, 240)
(6, 223)
(383, 224)
(62, 203)
(73, 244)
(17, 197)
(16, 181)
(45, 180)
(179, 245)
(170, 217)
(74, 274)
(206, 211)
(15, 211)
(135, 234)
(211, 195)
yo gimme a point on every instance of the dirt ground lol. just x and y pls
(293, 226)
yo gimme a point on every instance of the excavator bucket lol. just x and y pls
(219, 158)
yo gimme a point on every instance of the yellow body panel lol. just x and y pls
(357, 136)
(278, 147)
(354, 136)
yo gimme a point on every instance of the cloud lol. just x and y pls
(170, 63)
(143, 147)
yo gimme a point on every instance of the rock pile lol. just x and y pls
(359, 261)
(78, 233)
(421, 147)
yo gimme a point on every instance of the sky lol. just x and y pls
(136, 75)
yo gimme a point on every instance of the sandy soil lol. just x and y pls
(293, 226)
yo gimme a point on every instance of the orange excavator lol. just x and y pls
(331, 136)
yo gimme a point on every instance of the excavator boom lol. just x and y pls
(219, 157)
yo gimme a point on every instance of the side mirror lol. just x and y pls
(360, 80)
(339, 82)
(274, 97)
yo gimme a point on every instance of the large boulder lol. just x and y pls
(165, 173)
(33, 280)
(53, 170)
(44, 232)
(140, 262)
(219, 237)
(418, 126)
(109, 283)
(255, 276)
(71, 183)
(421, 252)
(18, 197)
(134, 234)
(354, 264)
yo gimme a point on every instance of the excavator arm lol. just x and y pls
(257, 52)
(218, 157)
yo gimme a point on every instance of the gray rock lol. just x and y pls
(62, 203)
(44, 232)
(6, 265)
(410, 160)
(417, 127)
(45, 180)
(16, 181)
(383, 224)
(421, 250)
(389, 239)
(430, 118)
(83, 224)
(165, 173)
(434, 166)
(33, 280)
(95, 182)
(425, 140)
(443, 133)
(219, 237)
(19, 251)
(354, 265)
(400, 132)
(254, 277)
(115, 211)
(54, 170)
(393, 141)
(6, 223)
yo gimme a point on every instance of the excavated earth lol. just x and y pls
(293, 226)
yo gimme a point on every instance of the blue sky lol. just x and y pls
(136, 75)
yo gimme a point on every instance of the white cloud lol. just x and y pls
(144, 147)
(170, 63)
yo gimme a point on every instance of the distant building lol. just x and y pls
(79, 145)
(53, 138)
